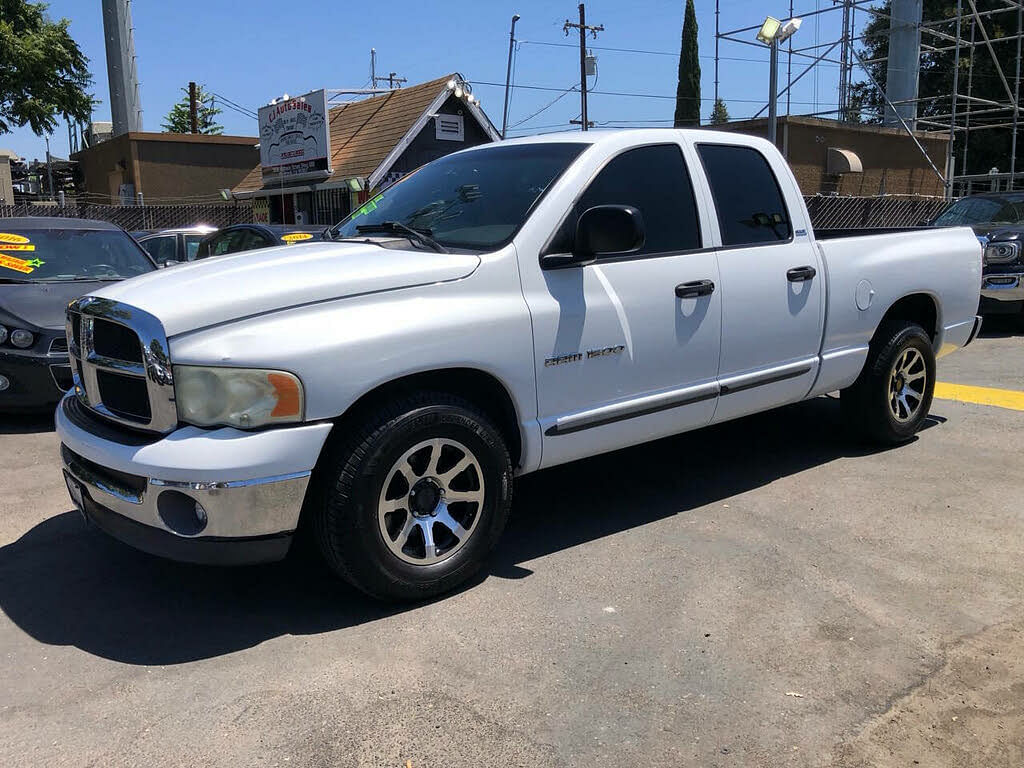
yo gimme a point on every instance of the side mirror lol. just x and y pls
(169, 263)
(601, 230)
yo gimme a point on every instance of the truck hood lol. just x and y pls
(225, 288)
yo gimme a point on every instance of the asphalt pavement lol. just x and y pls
(764, 592)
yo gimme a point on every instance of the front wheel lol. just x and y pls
(893, 394)
(412, 504)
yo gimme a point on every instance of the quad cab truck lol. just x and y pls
(501, 310)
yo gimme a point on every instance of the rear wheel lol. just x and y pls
(893, 394)
(411, 505)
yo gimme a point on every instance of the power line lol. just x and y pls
(551, 103)
(233, 105)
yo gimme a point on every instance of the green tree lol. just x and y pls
(43, 73)
(688, 89)
(987, 149)
(177, 120)
(720, 113)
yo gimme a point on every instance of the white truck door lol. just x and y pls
(620, 357)
(772, 280)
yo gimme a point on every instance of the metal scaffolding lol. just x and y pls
(970, 33)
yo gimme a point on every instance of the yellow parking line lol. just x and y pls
(1003, 398)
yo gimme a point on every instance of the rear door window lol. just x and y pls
(750, 207)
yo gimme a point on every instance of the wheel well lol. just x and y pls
(917, 308)
(478, 387)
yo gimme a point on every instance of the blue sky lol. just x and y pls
(253, 51)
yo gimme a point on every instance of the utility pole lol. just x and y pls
(373, 68)
(392, 79)
(508, 73)
(583, 29)
(193, 109)
(773, 100)
(49, 167)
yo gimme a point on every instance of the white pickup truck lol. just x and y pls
(501, 310)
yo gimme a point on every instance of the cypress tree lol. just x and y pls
(688, 90)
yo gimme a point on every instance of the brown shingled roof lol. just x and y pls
(364, 132)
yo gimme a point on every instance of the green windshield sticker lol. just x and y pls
(367, 207)
(20, 265)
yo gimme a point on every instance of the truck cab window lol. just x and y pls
(747, 196)
(655, 181)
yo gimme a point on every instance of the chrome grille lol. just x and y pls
(120, 364)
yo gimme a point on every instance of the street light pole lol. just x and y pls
(508, 73)
(773, 86)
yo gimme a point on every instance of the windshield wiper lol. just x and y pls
(422, 236)
(79, 278)
(14, 280)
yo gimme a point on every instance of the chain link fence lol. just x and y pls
(827, 212)
(886, 211)
(137, 217)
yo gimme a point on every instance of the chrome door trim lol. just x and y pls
(630, 409)
(744, 381)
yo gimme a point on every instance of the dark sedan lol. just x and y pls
(44, 264)
(998, 221)
(247, 237)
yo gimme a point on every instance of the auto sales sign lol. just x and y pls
(295, 138)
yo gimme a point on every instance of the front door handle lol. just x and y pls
(694, 289)
(801, 274)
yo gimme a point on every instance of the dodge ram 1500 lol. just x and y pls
(504, 309)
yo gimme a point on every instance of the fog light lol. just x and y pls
(181, 513)
(5, 383)
(200, 515)
(21, 338)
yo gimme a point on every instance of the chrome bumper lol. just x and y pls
(229, 509)
(212, 496)
(1003, 287)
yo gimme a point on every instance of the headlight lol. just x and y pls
(3, 333)
(1001, 253)
(22, 339)
(236, 397)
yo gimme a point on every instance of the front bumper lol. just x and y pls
(1002, 287)
(249, 486)
(35, 381)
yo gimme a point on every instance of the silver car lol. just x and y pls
(173, 245)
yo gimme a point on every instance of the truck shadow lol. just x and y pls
(1002, 326)
(64, 584)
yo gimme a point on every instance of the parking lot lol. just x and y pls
(760, 593)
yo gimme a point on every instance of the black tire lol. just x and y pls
(348, 486)
(866, 406)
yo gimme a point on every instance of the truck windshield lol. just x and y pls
(983, 210)
(476, 200)
(58, 255)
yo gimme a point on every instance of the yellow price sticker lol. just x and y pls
(12, 242)
(295, 237)
(25, 266)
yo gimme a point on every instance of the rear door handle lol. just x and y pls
(694, 289)
(801, 274)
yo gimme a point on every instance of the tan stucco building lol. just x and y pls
(828, 156)
(166, 168)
